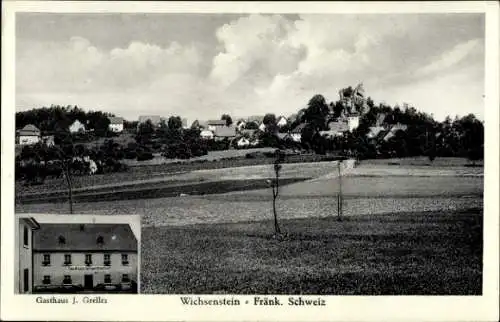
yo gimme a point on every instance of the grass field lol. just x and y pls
(426, 253)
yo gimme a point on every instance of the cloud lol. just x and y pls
(453, 57)
(262, 63)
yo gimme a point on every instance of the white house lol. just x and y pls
(207, 134)
(24, 254)
(76, 127)
(282, 121)
(243, 142)
(352, 122)
(116, 124)
(29, 134)
(262, 127)
(296, 133)
(240, 125)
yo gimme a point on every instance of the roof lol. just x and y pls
(256, 118)
(217, 122)
(374, 131)
(115, 120)
(83, 237)
(155, 119)
(30, 221)
(225, 131)
(338, 127)
(29, 130)
(249, 132)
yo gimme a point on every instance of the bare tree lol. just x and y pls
(339, 196)
(275, 186)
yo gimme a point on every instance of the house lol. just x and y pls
(242, 142)
(29, 134)
(337, 128)
(224, 132)
(115, 124)
(185, 123)
(352, 121)
(296, 133)
(374, 131)
(213, 125)
(240, 125)
(282, 121)
(77, 127)
(48, 140)
(24, 254)
(207, 135)
(156, 120)
(262, 127)
(395, 128)
(84, 254)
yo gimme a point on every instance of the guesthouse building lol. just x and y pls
(84, 255)
(28, 135)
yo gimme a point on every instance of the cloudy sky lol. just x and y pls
(200, 66)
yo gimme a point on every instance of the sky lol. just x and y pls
(199, 66)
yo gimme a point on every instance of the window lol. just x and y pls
(26, 237)
(107, 260)
(46, 279)
(67, 259)
(46, 260)
(88, 259)
(125, 278)
(62, 240)
(100, 240)
(107, 278)
(124, 259)
(26, 281)
(67, 279)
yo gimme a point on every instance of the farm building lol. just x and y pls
(296, 133)
(84, 254)
(29, 134)
(116, 124)
(282, 121)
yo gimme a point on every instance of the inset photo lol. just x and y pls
(77, 254)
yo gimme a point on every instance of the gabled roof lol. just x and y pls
(155, 119)
(374, 131)
(217, 122)
(84, 237)
(29, 130)
(225, 131)
(115, 120)
(338, 127)
(299, 128)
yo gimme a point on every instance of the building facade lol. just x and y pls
(24, 254)
(115, 124)
(76, 127)
(85, 255)
(28, 135)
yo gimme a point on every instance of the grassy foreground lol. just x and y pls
(432, 253)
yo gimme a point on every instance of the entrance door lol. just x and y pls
(26, 280)
(88, 281)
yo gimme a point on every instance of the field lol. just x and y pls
(406, 229)
(426, 253)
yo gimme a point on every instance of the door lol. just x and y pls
(26, 280)
(88, 281)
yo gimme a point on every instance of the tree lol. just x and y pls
(251, 126)
(275, 189)
(174, 122)
(270, 123)
(227, 118)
